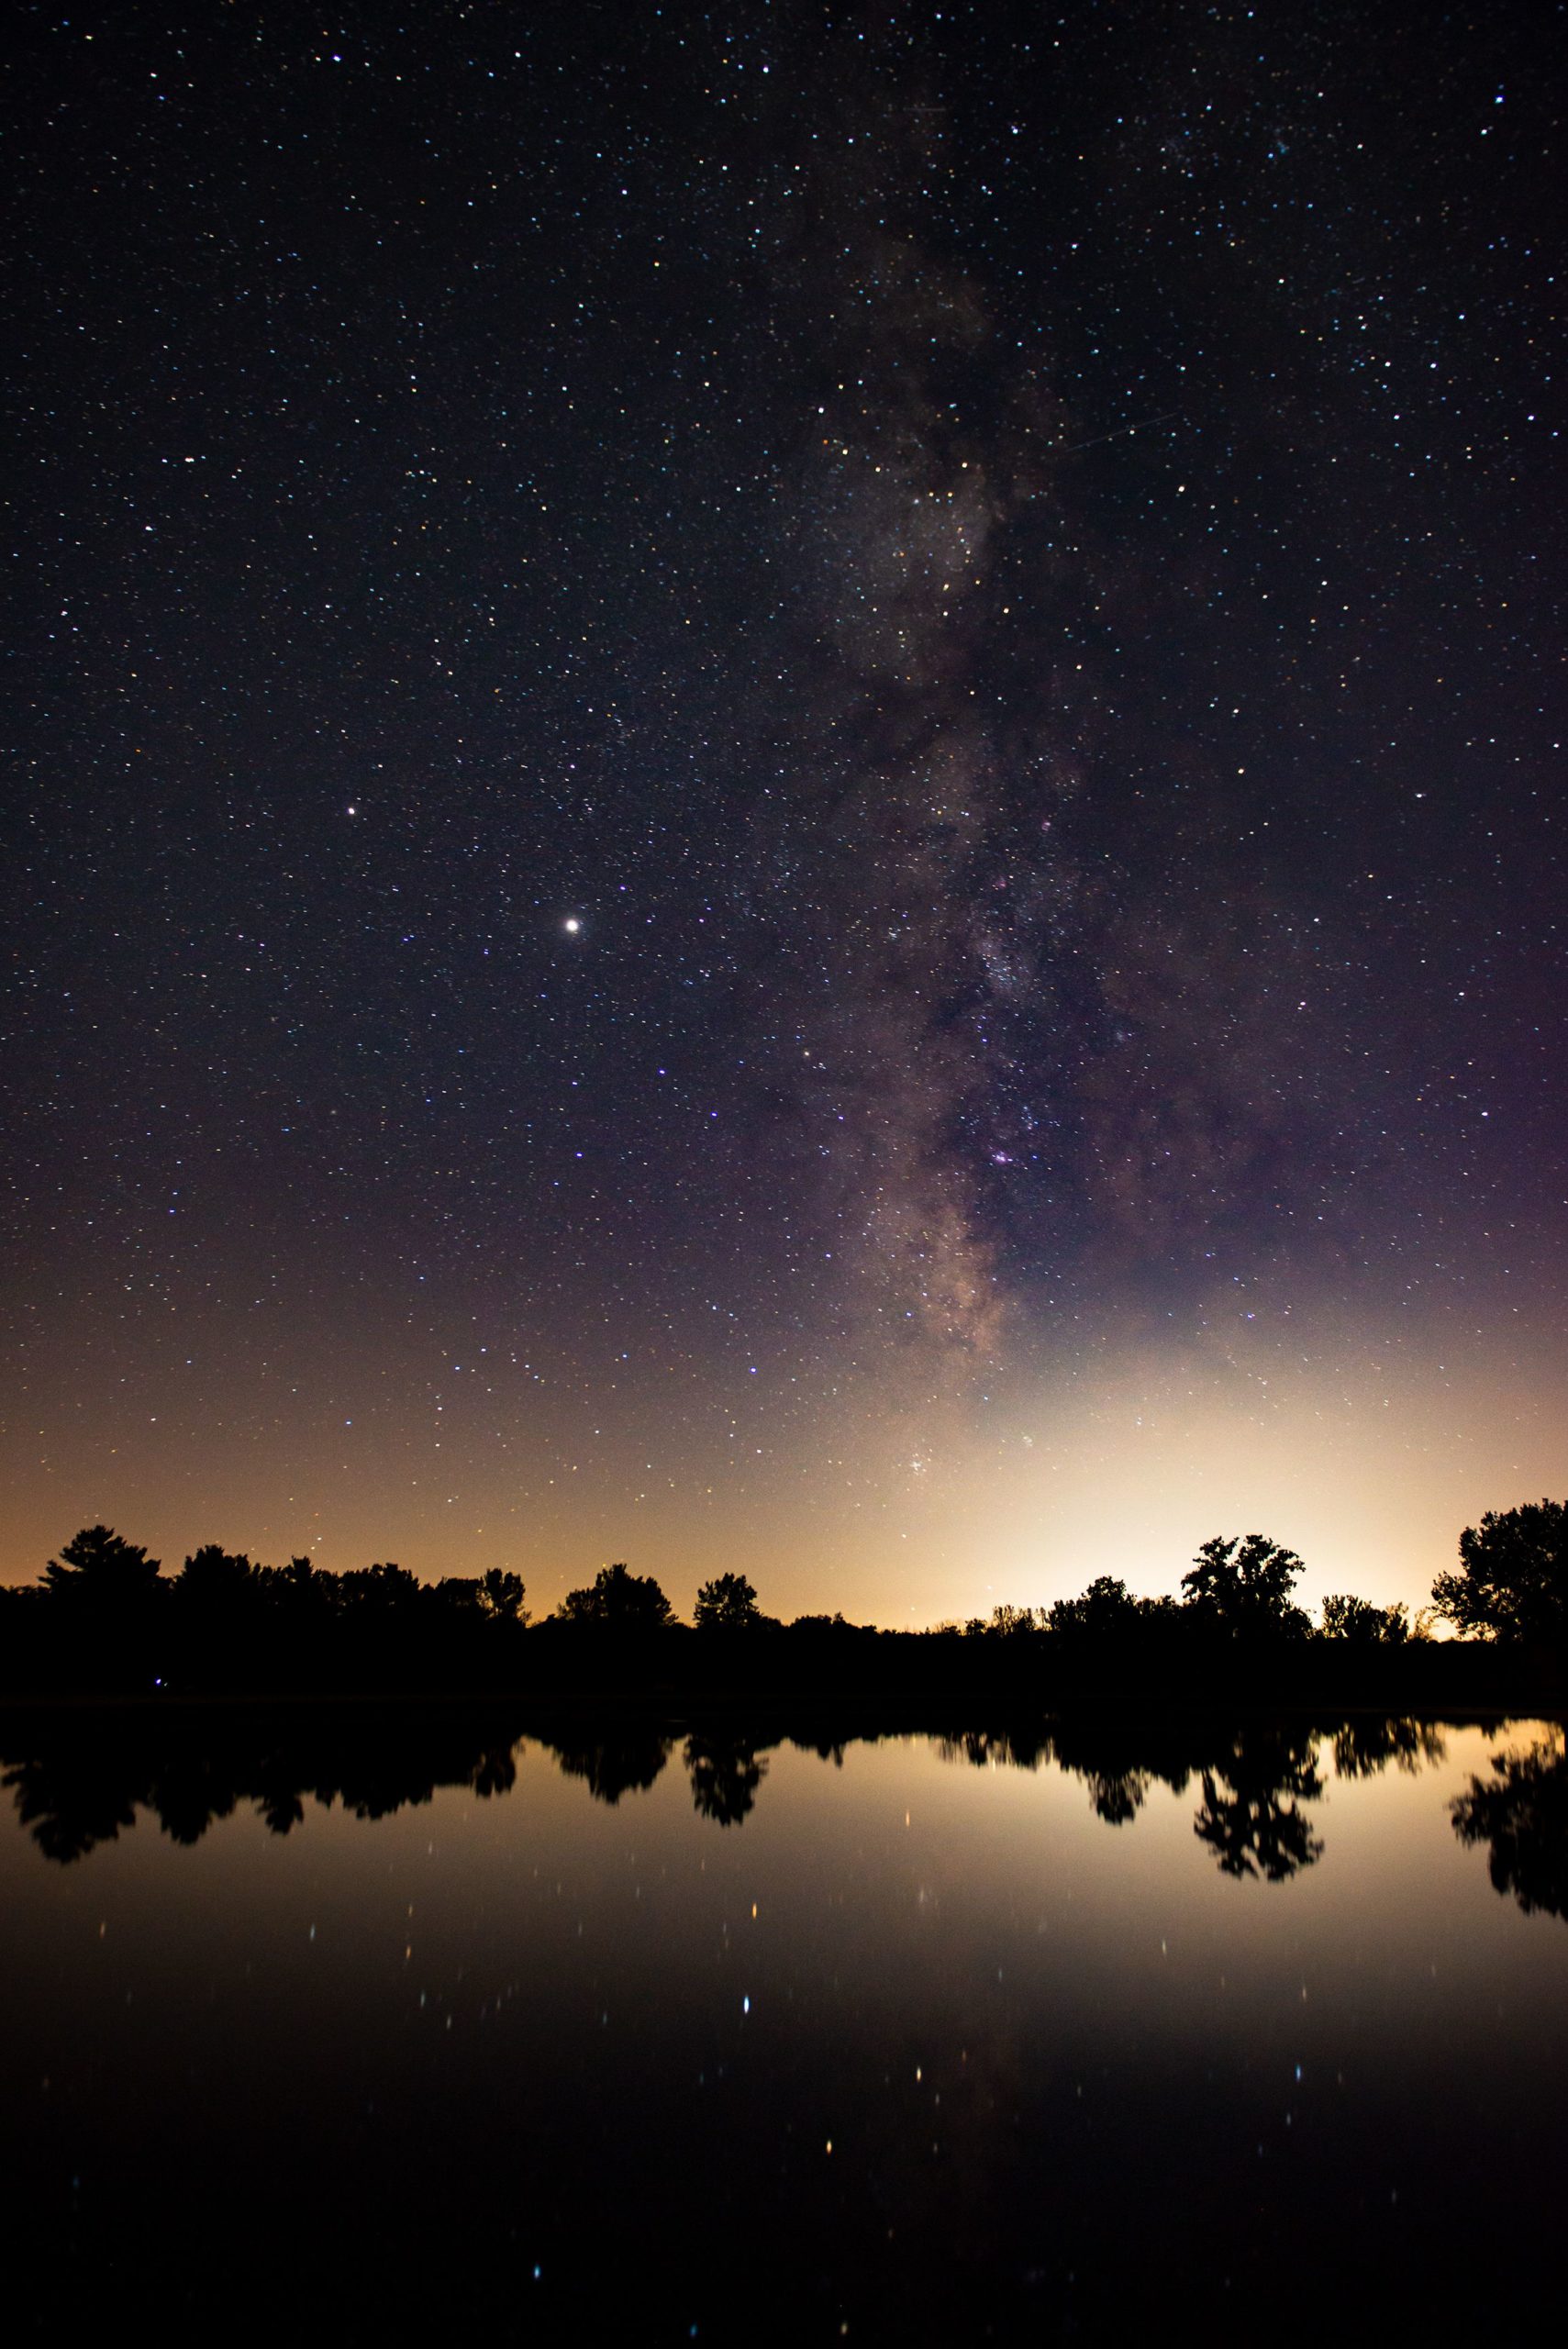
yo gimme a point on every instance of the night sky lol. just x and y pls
(786, 789)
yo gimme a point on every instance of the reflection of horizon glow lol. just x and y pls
(1014, 1997)
(1011, 2003)
(1259, 1783)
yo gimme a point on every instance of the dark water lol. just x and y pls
(645, 2035)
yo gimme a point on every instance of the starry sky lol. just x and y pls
(785, 789)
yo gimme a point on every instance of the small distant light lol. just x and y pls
(572, 925)
(353, 812)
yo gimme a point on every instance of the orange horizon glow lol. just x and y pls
(898, 1507)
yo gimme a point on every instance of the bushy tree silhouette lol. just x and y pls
(97, 1565)
(1106, 1610)
(213, 1575)
(1512, 1579)
(501, 1596)
(1002, 1623)
(1360, 1623)
(497, 1596)
(728, 1603)
(378, 1589)
(619, 1600)
(1242, 1587)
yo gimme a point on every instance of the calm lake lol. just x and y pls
(1223, 2031)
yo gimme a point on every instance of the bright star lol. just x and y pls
(572, 925)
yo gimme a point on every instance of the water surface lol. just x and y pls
(1048, 2037)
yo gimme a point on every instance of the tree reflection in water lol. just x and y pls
(725, 1774)
(1250, 1817)
(1119, 1761)
(625, 1760)
(80, 1781)
(1365, 1746)
(1522, 1812)
(71, 1803)
(1255, 1777)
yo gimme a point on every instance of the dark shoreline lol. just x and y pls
(929, 1713)
(1472, 1679)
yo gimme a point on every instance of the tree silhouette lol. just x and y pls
(304, 1593)
(1512, 1581)
(1523, 1814)
(378, 1589)
(96, 1565)
(1362, 1624)
(1002, 1623)
(459, 1594)
(302, 1577)
(728, 1603)
(619, 1600)
(501, 1595)
(1106, 1610)
(1242, 1587)
(213, 1580)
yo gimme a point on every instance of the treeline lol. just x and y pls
(103, 1618)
